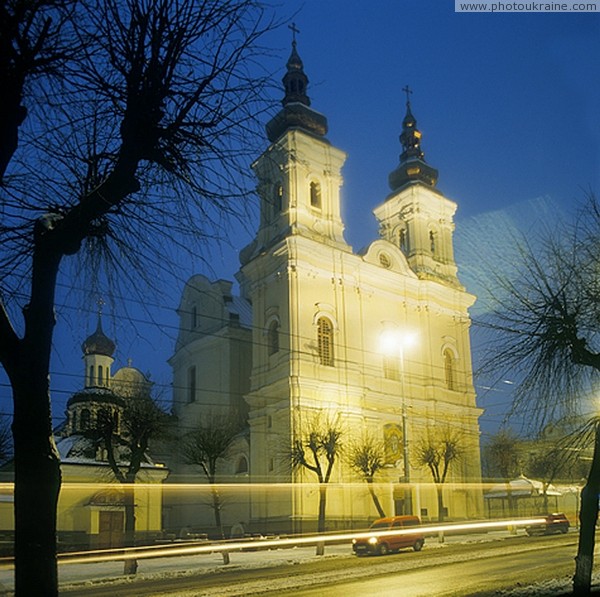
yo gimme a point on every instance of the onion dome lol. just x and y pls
(296, 112)
(98, 342)
(413, 167)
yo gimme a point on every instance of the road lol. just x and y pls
(460, 569)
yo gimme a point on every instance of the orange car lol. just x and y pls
(383, 542)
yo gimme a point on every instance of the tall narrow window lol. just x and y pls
(194, 319)
(391, 368)
(277, 199)
(432, 242)
(403, 240)
(91, 376)
(325, 341)
(191, 384)
(84, 419)
(74, 421)
(449, 369)
(315, 195)
(273, 337)
(100, 381)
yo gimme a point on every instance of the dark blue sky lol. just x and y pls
(508, 106)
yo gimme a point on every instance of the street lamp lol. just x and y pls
(393, 342)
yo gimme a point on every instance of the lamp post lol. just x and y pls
(394, 342)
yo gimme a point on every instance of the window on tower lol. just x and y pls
(84, 419)
(432, 243)
(449, 369)
(194, 318)
(273, 337)
(325, 341)
(278, 199)
(100, 375)
(315, 195)
(403, 240)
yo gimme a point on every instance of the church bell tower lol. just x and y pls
(416, 217)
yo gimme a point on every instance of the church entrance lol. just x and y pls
(110, 530)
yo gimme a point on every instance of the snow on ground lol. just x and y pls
(212, 563)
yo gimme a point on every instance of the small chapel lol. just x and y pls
(375, 342)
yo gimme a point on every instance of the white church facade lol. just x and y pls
(320, 333)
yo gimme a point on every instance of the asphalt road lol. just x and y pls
(460, 569)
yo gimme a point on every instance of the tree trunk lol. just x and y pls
(37, 463)
(440, 501)
(375, 498)
(582, 580)
(37, 486)
(130, 567)
(217, 510)
(321, 521)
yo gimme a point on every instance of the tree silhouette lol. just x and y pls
(139, 132)
(367, 458)
(544, 329)
(317, 448)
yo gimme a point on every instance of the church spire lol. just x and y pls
(295, 80)
(412, 166)
(296, 112)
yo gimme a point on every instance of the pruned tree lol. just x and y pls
(316, 448)
(125, 434)
(438, 451)
(544, 329)
(140, 130)
(205, 446)
(367, 458)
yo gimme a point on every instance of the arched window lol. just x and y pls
(432, 244)
(325, 341)
(242, 465)
(100, 373)
(85, 419)
(273, 337)
(449, 369)
(403, 240)
(315, 195)
(91, 376)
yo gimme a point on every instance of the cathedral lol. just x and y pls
(375, 343)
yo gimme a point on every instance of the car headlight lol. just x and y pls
(353, 541)
(373, 540)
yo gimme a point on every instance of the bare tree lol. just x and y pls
(438, 451)
(125, 434)
(207, 444)
(316, 449)
(545, 330)
(502, 458)
(367, 458)
(140, 136)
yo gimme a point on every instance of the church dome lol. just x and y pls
(129, 381)
(98, 342)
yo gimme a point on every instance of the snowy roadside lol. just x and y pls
(110, 573)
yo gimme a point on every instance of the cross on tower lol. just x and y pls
(100, 302)
(408, 92)
(294, 31)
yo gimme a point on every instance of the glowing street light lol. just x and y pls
(393, 342)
